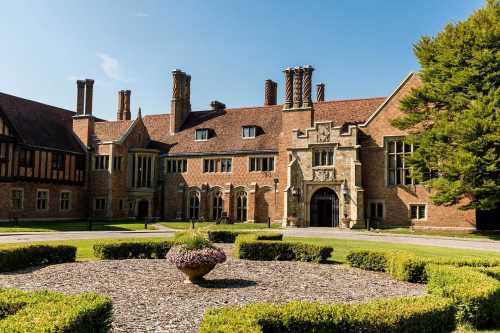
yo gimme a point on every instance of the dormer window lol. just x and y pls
(248, 132)
(202, 134)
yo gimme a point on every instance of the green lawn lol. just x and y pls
(211, 225)
(341, 247)
(76, 225)
(85, 250)
(476, 234)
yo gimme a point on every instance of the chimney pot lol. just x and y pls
(80, 86)
(89, 92)
(121, 105)
(320, 92)
(126, 111)
(307, 98)
(270, 92)
(288, 88)
(217, 106)
(297, 86)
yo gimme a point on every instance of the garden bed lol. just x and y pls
(150, 296)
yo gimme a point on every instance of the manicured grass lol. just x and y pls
(343, 246)
(85, 251)
(76, 225)
(212, 225)
(463, 234)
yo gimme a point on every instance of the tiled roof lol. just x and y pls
(40, 124)
(226, 126)
(111, 130)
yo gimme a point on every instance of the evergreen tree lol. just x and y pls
(454, 117)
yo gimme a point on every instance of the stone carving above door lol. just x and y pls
(324, 133)
(324, 175)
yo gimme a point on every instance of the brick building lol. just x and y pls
(304, 163)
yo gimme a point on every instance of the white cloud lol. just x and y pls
(141, 14)
(111, 67)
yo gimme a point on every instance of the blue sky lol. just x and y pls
(359, 48)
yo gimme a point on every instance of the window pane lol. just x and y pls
(372, 209)
(421, 212)
(271, 164)
(380, 210)
(413, 211)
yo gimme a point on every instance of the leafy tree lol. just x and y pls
(453, 116)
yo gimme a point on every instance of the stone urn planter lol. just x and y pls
(195, 262)
(346, 223)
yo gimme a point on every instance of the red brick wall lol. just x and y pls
(398, 198)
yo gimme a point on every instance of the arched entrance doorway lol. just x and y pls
(143, 209)
(324, 208)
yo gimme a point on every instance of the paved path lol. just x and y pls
(450, 242)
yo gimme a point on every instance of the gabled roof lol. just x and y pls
(40, 125)
(226, 126)
(111, 130)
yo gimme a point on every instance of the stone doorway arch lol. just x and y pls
(143, 209)
(324, 208)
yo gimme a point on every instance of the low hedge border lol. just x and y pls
(229, 236)
(12, 259)
(411, 315)
(44, 311)
(132, 250)
(256, 247)
(472, 284)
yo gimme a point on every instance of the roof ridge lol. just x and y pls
(36, 102)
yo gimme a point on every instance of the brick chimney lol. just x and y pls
(180, 104)
(320, 92)
(307, 98)
(89, 93)
(217, 106)
(83, 122)
(121, 105)
(126, 109)
(80, 86)
(298, 73)
(288, 88)
(270, 92)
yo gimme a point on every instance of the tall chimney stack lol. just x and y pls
(80, 86)
(177, 102)
(288, 88)
(270, 92)
(126, 110)
(320, 92)
(121, 105)
(89, 91)
(298, 73)
(187, 94)
(307, 99)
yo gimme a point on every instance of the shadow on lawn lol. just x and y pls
(226, 283)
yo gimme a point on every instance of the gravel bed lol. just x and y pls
(150, 296)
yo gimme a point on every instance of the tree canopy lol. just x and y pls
(453, 116)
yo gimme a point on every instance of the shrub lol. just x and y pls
(227, 236)
(476, 295)
(367, 260)
(412, 314)
(181, 256)
(44, 311)
(494, 272)
(35, 255)
(406, 267)
(248, 247)
(132, 250)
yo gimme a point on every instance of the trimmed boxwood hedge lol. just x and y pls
(476, 295)
(411, 315)
(132, 250)
(12, 259)
(228, 236)
(249, 247)
(44, 311)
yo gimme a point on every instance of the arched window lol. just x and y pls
(217, 205)
(194, 206)
(241, 207)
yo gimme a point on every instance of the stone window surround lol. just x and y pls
(70, 201)
(418, 204)
(186, 164)
(387, 139)
(217, 165)
(375, 201)
(323, 149)
(262, 157)
(205, 134)
(105, 203)
(20, 189)
(250, 129)
(193, 192)
(216, 193)
(39, 190)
